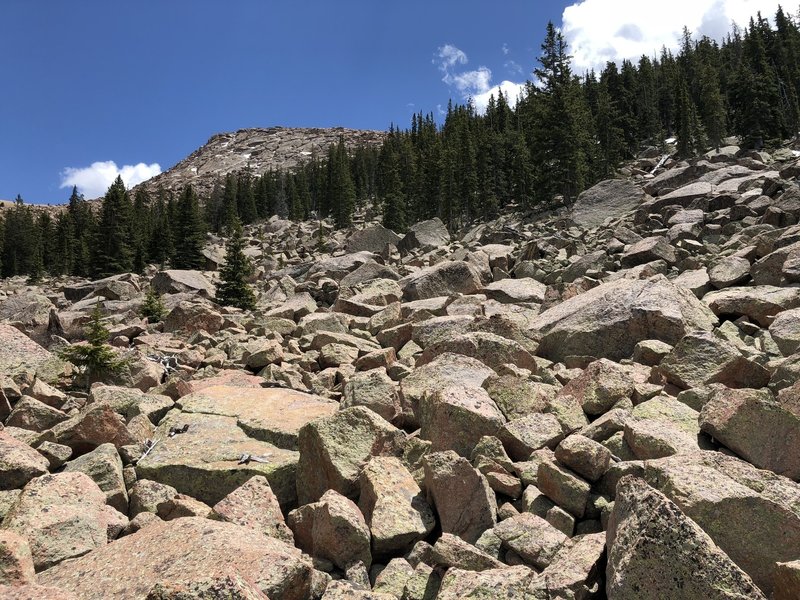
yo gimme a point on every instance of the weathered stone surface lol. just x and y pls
(272, 415)
(334, 449)
(104, 466)
(563, 487)
(32, 591)
(63, 516)
(230, 587)
(739, 506)
(344, 590)
(16, 562)
(600, 386)
(760, 428)
(515, 291)
(531, 537)
(785, 330)
(758, 303)
(518, 397)
(332, 529)
(375, 390)
(575, 571)
(452, 551)
(609, 320)
(729, 271)
(254, 505)
(19, 353)
(146, 495)
(611, 198)
(447, 370)
(373, 238)
(656, 551)
(393, 506)
(188, 550)
(29, 413)
(587, 458)
(506, 582)
(210, 459)
(130, 402)
(460, 494)
(188, 317)
(175, 281)
(425, 236)
(443, 279)
(94, 426)
(489, 348)
(457, 417)
(648, 250)
(702, 358)
(787, 581)
(19, 463)
(522, 436)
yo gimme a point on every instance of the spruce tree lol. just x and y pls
(111, 250)
(233, 289)
(189, 233)
(95, 359)
(153, 308)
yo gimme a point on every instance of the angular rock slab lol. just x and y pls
(20, 353)
(272, 415)
(443, 279)
(739, 506)
(63, 516)
(655, 551)
(334, 449)
(19, 463)
(204, 461)
(758, 303)
(611, 198)
(760, 428)
(254, 505)
(184, 550)
(609, 320)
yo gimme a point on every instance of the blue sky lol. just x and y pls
(146, 82)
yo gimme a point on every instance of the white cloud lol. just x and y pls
(476, 83)
(93, 181)
(611, 30)
(505, 49)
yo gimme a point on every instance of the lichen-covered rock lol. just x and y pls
(655, 551)
(333, 529)
(104, 466)
(532, 538)
(465, 503)
(758, 303)
(94, 426)
(16, 562)
(443, 279)
(183, 551)
(600, 386)
(506, 582)
(63, 516)
(393, 506)
(759, 427)
(19, 463)
(610, 319)
(334, 449)
(586, 457)
(489, 348)
(254, 505)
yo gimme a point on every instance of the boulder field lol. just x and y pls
(593, 401)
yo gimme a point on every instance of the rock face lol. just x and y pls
(609, 320)
(188, 549)
(425, 236)
(446, 278)
(19, 463)
(257, 149)
(656, 551)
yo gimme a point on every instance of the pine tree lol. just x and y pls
(341, 192)
(95, 359)
(394, 214)
(234, 289)
(691, 137)
(189, 233)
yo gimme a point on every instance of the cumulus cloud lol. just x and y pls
(475, 84)
(612, 30)
(94, 180)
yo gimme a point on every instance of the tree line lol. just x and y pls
(566, 132)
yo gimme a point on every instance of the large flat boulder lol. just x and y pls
(425, 236)
(741, 507)
(183, 551)
(443, 279)
(19, 353)
(63, 516)
(608, 199)
(176, 281)
(609, 320)
(273, 415)
(759, 303)
(210, 459)
(19, 463)
(373, 238)
(655, 551)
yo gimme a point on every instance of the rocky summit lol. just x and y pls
(597, 401)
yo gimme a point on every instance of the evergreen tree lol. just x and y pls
(691, 137)
(95, 359)
(189, 232)
(153, 308)
(111, 249)
(341, 192)
(234, 289)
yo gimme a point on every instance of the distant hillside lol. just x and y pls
(260, 149)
